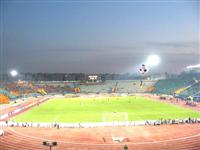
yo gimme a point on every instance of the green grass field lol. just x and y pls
(92, 109)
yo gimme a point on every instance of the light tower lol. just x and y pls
(152, 60)
(13, 73)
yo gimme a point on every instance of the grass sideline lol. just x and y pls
(92, 109)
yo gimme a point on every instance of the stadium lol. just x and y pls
(99, 75)
(91, 114)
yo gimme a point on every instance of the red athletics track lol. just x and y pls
(169, 137)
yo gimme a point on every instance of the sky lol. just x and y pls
(98, 36)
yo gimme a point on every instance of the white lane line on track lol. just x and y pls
(139, 143)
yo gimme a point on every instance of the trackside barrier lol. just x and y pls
(4, 116)
(97, 124)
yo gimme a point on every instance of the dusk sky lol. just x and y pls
(98, 37)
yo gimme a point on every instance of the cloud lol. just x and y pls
(179, 44)
(180, 47)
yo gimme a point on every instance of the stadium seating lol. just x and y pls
(7, 94)
(169, 86)
(120, 86)
(27, 89)
(196, 97)
(4, 99)
(192, 90)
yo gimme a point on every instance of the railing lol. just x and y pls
(99, 124)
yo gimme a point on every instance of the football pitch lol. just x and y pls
(93, 109)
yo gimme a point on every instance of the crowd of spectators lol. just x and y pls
(172, 121)
(19, 89)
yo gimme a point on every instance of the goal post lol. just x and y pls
(115, 117)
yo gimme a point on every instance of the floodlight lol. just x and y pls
(153, 60)
(13, 73)
(54, 143)
(126, 147)
(49, 144)
(193, 66)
